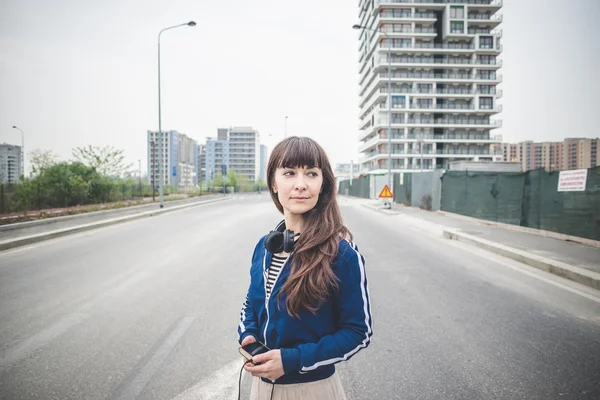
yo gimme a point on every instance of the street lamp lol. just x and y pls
(22, 148)
(160, 181)
(389, 99)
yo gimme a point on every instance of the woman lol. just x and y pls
(308, 299)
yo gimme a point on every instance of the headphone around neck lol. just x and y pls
(280, 240)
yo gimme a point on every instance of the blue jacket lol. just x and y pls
(311, 345)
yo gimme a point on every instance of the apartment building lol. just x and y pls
(264, 159)
(443, 57)
(244, 151)
(201, 163)
(572, 153)
(11, 166)
(216, 162)
(173, 158)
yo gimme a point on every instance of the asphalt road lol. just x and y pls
(148, 310)
(51, 224)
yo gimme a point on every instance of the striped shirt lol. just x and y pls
(274, 271)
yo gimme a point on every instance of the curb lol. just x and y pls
(25, 240)
(539, 232)
(381, 210)
(46, 221)
(576, 274)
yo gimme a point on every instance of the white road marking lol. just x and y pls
(137, 384)
(220, 385)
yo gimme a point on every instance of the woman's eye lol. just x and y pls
(288, 173)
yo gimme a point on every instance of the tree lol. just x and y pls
(232, 178)
(41, 160)
(107, 160)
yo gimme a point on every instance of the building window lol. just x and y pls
(457, 27)
(488, 60)
(398, 102)
(457, 12)
(486, 42)
(486, 89)
(487, 75)
(424, 87)
(397, 43)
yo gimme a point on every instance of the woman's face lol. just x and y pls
(298, 189)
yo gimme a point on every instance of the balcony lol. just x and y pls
(496, 3)
(375, 154)
(428, 16)
(461, 152)
(379, 139)
(484, 17)
(453, 46)
(453, 137)
(429, 121)
(382, 61)
(437, 77)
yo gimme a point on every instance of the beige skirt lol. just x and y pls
(326, 389)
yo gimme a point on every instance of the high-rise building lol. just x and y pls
(10, 163)
(444, 77)
(216, 162)
(264, 159)
(201, 164)
(222, 134)
(572, 153)
(176, 155)
(244, 152)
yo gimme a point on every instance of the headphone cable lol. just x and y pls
(240, 382)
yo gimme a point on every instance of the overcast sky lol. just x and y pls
(74, 72)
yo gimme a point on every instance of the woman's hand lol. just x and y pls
(248, 339)
(267, 365)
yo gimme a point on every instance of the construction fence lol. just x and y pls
(529, 199)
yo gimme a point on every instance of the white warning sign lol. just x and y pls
(572, 181)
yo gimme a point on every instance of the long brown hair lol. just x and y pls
(311, 279)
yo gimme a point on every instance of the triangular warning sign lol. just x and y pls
(386, 193)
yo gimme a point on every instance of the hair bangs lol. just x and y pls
(301, 153)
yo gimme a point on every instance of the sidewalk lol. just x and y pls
(35, 231)
(523, 246)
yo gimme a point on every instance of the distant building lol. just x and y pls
(201, 164)
(342, 170)
(11, 167)
(484, 166)
(176, 156)
(244, 152)
(572, 153)
(264, 159)
(216, 162)
(236, 148)
(222, 134)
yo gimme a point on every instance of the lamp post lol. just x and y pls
(22, 148)
(160, 180)
(285, 134)
(389, 99)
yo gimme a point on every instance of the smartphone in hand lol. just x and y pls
(253, 349)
